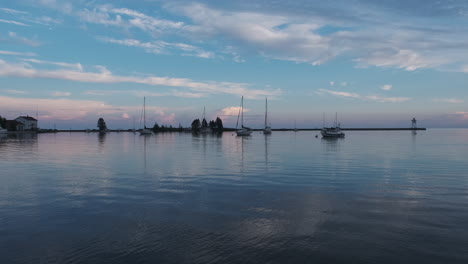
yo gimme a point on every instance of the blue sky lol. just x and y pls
(376, 63)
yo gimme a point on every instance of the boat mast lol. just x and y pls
(336, 119)
(242, 112)
(266, 111)
(144, 112)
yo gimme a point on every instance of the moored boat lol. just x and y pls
(243, 130)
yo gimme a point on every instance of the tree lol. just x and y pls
(219, 124)
(204, 124)
(212, 124)
(196, 125)
(156, 127)
(101, 124)
(2, 122)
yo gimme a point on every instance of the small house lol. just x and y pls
(30, 123)
(13, 125)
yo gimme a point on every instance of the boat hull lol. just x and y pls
(145, 132)
(328, 134)
(244, 132)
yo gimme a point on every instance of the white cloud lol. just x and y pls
(127, 18)
(69, 109)
(344, 84)
(158, 47)
(60, 5)
(44, 20)
(76, 66)
(60, 94)
(231, 111)
(125, 116)
(387, 87)
(449, 100)
(332, 83)
(13, 22)
(375, 98)
(12, 11)
(272, 36)
(22, 40)
(6, 52)
(12, 91)
(105, 76)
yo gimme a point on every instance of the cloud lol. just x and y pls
(375, 98)
(332, 83)
(12, 11)
(60, 94)
(448, 100)
(76, 66)
(69, 109)
(15, 38)
(13, 22)
(126, 18)
(370, 34)
(60, 5)
(272, 36)
(106, 77)
(6, 52)
(158, 47)
(387, 87)
(125, 116)
(12, 91)
(231, 111)
(44, 20)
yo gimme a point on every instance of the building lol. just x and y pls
(30, 123)
(13, 125)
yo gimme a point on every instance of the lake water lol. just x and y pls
(373, 197)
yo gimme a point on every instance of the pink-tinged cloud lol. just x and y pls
(449, 100)
(69, 109)
(375, 98)
(105, 76)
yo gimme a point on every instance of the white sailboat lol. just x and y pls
(205, 129)
(334, 131)
(144, 130)
(267, 129)
(242, 131)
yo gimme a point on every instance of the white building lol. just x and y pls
(30, 123)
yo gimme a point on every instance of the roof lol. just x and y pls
(28, 118)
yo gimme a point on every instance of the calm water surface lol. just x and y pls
(373, 197)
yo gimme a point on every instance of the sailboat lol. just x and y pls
(242, 131)
(334, 131)
(144, 130)
(267, 129)
(295, 129)
(205, 129)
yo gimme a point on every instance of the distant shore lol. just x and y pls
(233, 129)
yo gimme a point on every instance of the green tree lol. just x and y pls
(204, 124)
(196, 125)
(101, 124)
(219, 124)
(2, 122)
(156, 127)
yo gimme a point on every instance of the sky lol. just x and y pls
(374, 63)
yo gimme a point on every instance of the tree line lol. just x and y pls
(197, 126)
(3, 122)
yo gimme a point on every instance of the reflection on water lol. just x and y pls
(374, 197)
